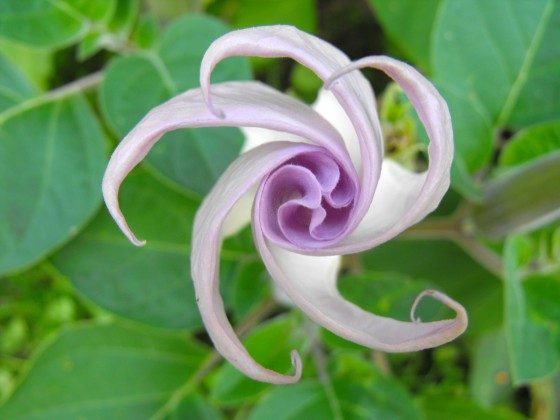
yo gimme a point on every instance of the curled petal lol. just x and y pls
(242, 175)
(421, 198)
(247, 104)
(314, 291)
(352, 90)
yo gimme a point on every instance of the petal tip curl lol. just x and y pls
(110, 189)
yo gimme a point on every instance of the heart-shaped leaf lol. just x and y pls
(52, 156)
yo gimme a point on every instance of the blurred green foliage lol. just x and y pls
(92, 327)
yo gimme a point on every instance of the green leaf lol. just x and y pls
(51, 162)
(36, 65)
(114, 33)
(124, 17)
(270, 344)
(521, 200)
(300, 13)
(304, 400)
(104, 371)
(251, 285)
(409, 25)
(444, 407)
(364, 393)
(496, 72)
(50, 23)
(543, 294)
(145, 33)
(90, 45)
(490, 380)
(532, 353)
(463, 182)
(14, 87)
(194, 406)
(386, 294)
(444, 264)
(356, 391)
(92, 11)
(150, 284)
(530, 143)
(193, 158)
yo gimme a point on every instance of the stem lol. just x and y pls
(380, 360)
(80, 85)
(320, 360)
(260, 313)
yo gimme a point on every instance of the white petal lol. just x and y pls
(329, 108)
(256, 136)
(396, 192)
(240, 215)
(315, 268)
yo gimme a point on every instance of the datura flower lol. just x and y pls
(313, 182)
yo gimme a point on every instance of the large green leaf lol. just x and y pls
(533, 142)
(356, 391)
(50, 23)
(362, 392)
(384, 293)
(249, 286)
(304, 400)
(107, 371)
(531, 349)
(409, 25)
(196, 407)
(51, 161)
(543, 294)
(444, 264)
(496, 72)
(151, 284)
(444, 407)
(490, 379)
(14, 87)
(133, 85)
(270, 344)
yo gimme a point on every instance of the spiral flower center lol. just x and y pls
(307, 201)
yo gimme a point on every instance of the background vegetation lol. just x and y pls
(92, 327)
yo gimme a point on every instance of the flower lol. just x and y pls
(318, 185)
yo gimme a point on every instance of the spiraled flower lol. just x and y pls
(311, 184)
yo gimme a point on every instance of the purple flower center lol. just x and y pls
(307, 201)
